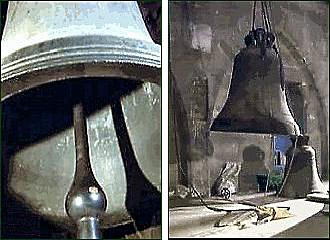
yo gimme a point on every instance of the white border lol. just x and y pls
(164, 124)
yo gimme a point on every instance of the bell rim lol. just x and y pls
(95, 45)
(108, 71)
(79, 56)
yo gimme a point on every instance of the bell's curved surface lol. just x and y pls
(256, 102)
(39, 144)
(301, 174)
(64, 40)
(106, 47)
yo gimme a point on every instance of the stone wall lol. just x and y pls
(230, 147)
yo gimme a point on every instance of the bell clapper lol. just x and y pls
(86, 201)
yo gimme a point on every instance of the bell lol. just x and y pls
(256, 101)
(80, 94)
(75, 39)
(301, 176)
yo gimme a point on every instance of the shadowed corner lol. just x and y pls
(151, 11)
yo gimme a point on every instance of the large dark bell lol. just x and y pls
(256, 102)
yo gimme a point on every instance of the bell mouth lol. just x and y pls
(37, 78)
(96, 48)
(46, 111)
(259, 126)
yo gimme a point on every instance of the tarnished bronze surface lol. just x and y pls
(79, 39)
(48, 49)
(39, 145)
(256, 102)
(301, 174)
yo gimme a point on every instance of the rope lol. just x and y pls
(264, 16)
(270, 15)
(290, 166)
(277, 49)
(268, 18)
(254, 15)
